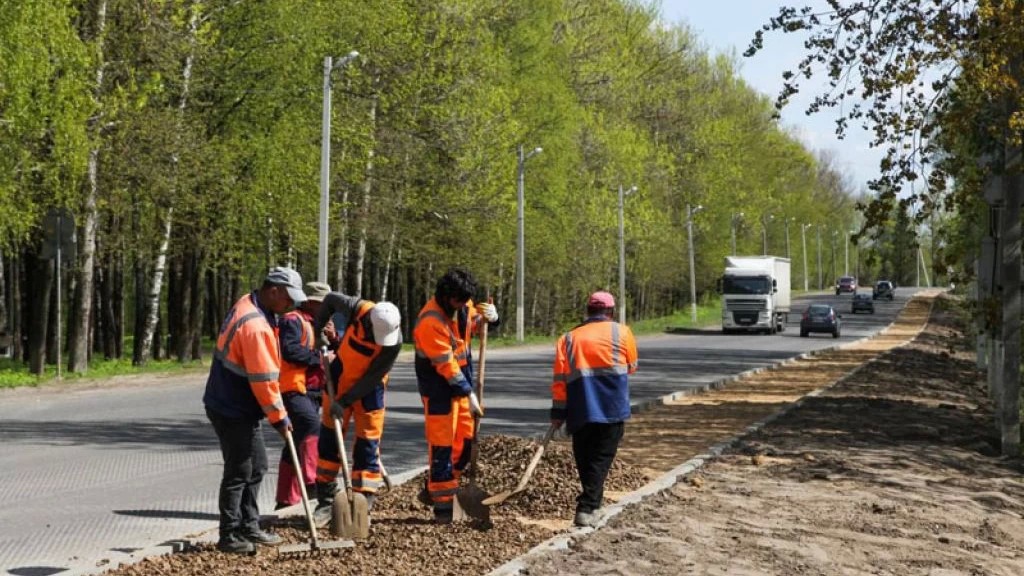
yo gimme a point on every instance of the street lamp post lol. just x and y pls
(520, 238)
(325, 160)
(622, 252)
(788, 220)
(735, 219)
(764, 233)
(693, 282)
(821, 284)
(803, 240)
(846, 254)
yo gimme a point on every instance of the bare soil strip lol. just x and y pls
(892, 470)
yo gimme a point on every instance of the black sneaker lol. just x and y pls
(233, 544)
(443, 516)
(423, 496)
(258, 536)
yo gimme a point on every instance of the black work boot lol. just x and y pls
(235, 544)
(325, 492)
(257, 536)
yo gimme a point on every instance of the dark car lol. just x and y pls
(846, 284)
(820, 318)
(882, 289)
(862, 303)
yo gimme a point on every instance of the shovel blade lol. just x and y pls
(351, 519)
(497, 498)
(360, 516)
(341, 517)
(469, 505)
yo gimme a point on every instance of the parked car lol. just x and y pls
(862, 303)
(846, 284)
(883, 289)
(820, 318)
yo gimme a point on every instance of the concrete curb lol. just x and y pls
(562, 541)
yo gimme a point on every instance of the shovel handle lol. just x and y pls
(536, 458)
(340, 437)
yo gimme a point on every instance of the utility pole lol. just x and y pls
(693, 282)
(622, 252)
(803, 240)
(821, 285)
(521, 238)
(325, 160)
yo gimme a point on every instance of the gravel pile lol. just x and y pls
(403, 538)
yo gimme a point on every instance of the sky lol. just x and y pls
(726, 26)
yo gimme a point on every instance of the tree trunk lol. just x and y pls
(341, 264)
(156, 287)
(364, 219)
(161, 257)
(4, 292)
(78, 346)
(17, 329)
(39, 285)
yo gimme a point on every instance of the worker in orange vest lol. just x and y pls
(590, 395)
(241, 390)
(302, 376)
(444, 374)
(370, 341)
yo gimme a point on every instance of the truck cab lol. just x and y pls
(755, 294)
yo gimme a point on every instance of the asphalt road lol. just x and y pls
(91, 475)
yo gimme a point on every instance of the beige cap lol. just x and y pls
(317, 291)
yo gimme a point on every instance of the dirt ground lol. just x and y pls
(889, 469)
(893, 470)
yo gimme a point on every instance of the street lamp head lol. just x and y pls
(697, 208)
(344, 60)
(532, 153)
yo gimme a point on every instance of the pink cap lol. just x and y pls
(601, 300)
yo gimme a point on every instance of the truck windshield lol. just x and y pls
(746, 285)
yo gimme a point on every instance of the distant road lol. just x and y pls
(89, 475)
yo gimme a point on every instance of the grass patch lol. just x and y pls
(14, 374)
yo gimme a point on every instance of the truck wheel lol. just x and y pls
(835, 333)
(803, 333)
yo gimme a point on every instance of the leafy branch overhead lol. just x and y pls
(916, 73)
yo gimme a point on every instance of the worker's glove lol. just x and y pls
(474, 405)
(488, 311)
(337, 410)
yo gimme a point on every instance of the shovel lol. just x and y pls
(527, 475)
(315, 545)
(469, 499)
(350, 514)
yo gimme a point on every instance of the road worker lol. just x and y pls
(241, 390)
(444, 374)
(302, 375)
(369, 346)
(590, 395)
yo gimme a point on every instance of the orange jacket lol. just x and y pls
(243, 381)
(443, 347)
(591, 373)
(358, 350)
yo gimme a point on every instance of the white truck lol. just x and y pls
(755, 294)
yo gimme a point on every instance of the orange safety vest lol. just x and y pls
(293, 376)
(442, 342)
(357, 349)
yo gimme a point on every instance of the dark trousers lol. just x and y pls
(245, 463)
(594, 447)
